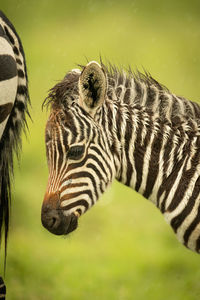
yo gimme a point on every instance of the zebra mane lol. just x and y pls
(66, 91)
(10, 143)
(119, 74)
(128, 87)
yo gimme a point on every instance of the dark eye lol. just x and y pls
(76, 152)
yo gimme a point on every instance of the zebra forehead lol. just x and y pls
(63, 93)
(61, 123)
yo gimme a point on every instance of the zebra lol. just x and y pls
(14, 99)
(106, 123)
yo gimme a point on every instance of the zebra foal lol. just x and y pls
(106, 124)
(14, 99)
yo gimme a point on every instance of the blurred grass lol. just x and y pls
(123, 249)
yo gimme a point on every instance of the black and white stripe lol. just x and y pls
(2, 289)
(140, 133)
(14, 100)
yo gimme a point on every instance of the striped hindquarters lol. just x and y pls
(14, 99)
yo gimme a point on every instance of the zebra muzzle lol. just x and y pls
(56, 222)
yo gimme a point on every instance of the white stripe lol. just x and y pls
(146, 161)
(173, 189)
(133, 93)
(73, 200)
(5, 47)
(8, 89)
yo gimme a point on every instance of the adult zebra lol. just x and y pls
(107, 124)
(14, 99)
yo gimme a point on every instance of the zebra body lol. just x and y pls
(107, 124)
(14, 100)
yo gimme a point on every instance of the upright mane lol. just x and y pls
(131, 88)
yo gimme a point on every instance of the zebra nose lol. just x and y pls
(52, 220)
(56, 222)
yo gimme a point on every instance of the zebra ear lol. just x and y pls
(92, 87)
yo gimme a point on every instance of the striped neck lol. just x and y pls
(150, 137)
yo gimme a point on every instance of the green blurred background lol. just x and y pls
(123, 248)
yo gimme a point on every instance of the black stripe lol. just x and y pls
(96, 159)
(128, 136)
(168, 183)
(192, 227)
(2, 33)
(9, 35)
(21, 73)
(94, 168)
(93, 147)
(77, 203)
(8, 67)
(83, 174)
(139, 91)
(167, 153)
(5, 110)
(164, 102)
(60, 157)
(19, 105)
(80, 184)
(70, 196)
(198, 244)
(22, 90)
(118, 123)
(151, 96)
(153, 163)
(127, 95)
(184, 182)
(15, 50)
(140, 150)
(139, 155)
(19, 61)
(178, 220)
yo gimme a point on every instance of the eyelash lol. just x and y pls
(76, 152)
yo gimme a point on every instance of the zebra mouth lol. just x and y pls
(73, 224)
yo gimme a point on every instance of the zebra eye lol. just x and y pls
(76, 152)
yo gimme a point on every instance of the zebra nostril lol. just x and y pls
(51, 220)
(55, 222)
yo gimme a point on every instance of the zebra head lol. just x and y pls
(79, 152)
